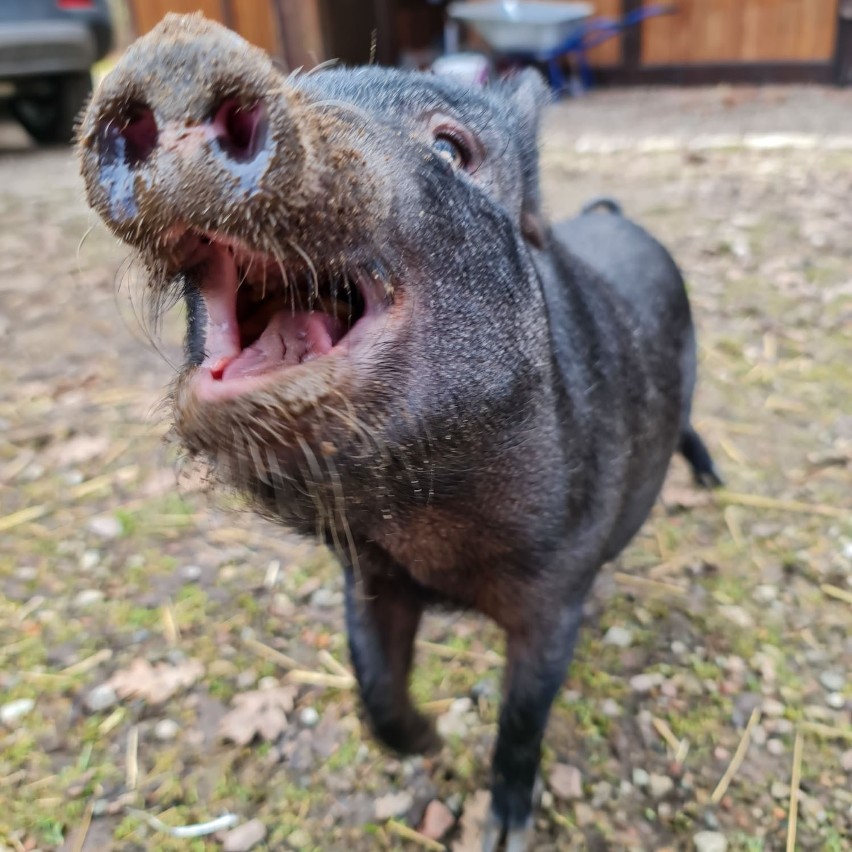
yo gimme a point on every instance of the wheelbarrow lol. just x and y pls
(544, 33)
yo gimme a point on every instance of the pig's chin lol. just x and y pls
(266, 326)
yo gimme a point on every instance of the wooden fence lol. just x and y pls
(702, 41)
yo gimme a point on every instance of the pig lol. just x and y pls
(390, 349)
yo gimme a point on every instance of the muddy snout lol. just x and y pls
(195, 128)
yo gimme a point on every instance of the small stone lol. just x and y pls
(772, 707)
(601, 794)
(710, 841)
(246, 679)
(660, 785)
(437, 820)
(566, 782)
(812, 809)
(309, 717)
(100, 698)
(451, 725)
(779, 790)
(190, 573)
(546, 800)
(611, 708)
(268, 682)
(461, 706)
(765, 593)
(782, 726)
(832, 681)
(740, 616)
(759, 735)
(584, 814)
(89, 559)
(106, 526)
(640, 778)
(835, 700)
(87, 598)
(679, 647)
(244, 837)
(846, 760)
(166, 729)
(645, 682)
(485, 689)
(326, 598)
(775, 747)
(455, 803)
(282, 606)
(15, 710)
(621, 637)
(298, 839)
(393, 805)
(711, 821)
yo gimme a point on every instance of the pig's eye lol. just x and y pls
(452, 149)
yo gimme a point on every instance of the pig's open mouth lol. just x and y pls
(265, 315)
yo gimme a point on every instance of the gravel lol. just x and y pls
(710, 841)
(100, 698)
(621, 637)
(15, 710)
(832, 681)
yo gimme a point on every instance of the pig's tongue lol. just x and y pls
(289, 339)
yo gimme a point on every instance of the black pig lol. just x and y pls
(389, 348)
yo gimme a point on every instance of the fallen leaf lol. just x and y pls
(472, 822)
(262, 712)
(155, 684)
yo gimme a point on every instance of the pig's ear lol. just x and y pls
(529, 94)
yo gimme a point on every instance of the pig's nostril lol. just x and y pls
(240, 129)
(131, 137)
(141, 134)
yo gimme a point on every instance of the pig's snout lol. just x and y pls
(194, 129)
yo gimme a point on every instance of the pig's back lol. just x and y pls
(634, 264)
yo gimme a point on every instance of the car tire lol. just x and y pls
(49, 115)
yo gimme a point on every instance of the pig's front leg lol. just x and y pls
(537, 661)
(383, 610)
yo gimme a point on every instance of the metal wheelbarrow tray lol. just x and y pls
(522, 27)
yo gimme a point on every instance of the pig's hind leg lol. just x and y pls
(690, 445)
(693, 449)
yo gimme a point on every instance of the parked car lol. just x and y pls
(47, 49)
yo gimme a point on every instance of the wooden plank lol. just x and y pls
(254, 20)
(753, 73)
(703, 33)
(148, 13)
(609, 53)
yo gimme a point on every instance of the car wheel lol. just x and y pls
(49, 113)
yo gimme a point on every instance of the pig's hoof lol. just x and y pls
(413, 734)
(518, 839)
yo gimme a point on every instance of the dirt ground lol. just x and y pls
(149, 629)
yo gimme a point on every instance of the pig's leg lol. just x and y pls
(537, 661)
(382, 616)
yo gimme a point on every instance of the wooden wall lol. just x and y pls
(715, 31)
(258, 21)
(732, 34)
